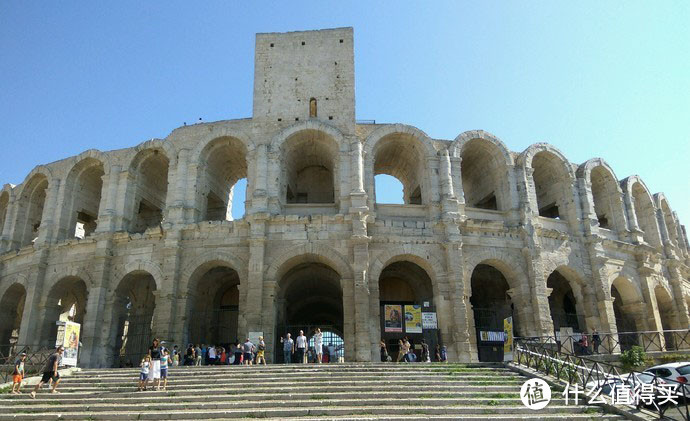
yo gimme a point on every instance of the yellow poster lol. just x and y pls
(413, 319)
(508, 341)
(71, 344)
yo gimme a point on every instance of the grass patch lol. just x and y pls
(318, 397)
(592, 410)
(5, 389)
(493, 402)
(504, 395)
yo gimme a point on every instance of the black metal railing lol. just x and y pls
(615, 343)
(587, 374)
(36, 357)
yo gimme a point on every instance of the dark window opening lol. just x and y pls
(280, 119)
(271, 45)
(330, 117)
(603, 221)
(489, 202)
(302, 42)
(416, 196)
(312, 107)
(296, 118)
(549, 211)
(341, 41)
(86, 224)
(302, 198)
(289, 195)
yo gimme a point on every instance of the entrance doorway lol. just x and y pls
(491, 304)
(310, 296)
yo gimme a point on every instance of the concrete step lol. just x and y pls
(378, 410)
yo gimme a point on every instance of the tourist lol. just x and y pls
(401, 351)
(318, 345)
(596, 341)
(144, 372)
(204, 354)
(238, 353)
(331, 353)
(248, 349)
(261, 350)
(438, 352)
(288, 348)
(426, 358)
(211, 355)
(407, 349)
(223, 356)
(189, 357)
(50, 371)
(175, 358)
(197, 355)
(384, 351)
(18, 373)
(444, 354)
(301, 344)
(340, 352)
(165, 358)
(155, 354)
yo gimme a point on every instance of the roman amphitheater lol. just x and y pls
(139, 242)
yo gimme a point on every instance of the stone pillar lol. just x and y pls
(260, 193)
(176, 202)
(681, 306)
(650, 308)
(126, 195)
(106, 217)
(6, 228)
(254, 307)
(31, 317)
(165, 314)
(363, 342)
(543, 325)
(457, 339)
(358, 196)
(46, 232)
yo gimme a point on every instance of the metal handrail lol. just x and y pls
(584, 372)
(36, 357)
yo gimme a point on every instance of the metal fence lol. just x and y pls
(36, 357)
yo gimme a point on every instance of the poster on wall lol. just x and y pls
(392, 318)
(71, 344)
(413, 318)
(508, 344)
(429, 320)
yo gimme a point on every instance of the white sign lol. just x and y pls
(429, 320)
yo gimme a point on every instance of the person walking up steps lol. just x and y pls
(18, 374)
(50, 372)
(288, 348)
(318, 345)
(165, 360)
(301, 344)
(261, 351)
(155, 354)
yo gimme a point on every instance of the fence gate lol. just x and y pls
(331, 335)
(489, 330)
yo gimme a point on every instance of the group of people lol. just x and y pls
(406, 352)
(49, 372)
(298, 350)
(582, 346)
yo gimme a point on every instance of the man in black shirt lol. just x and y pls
(50, 371)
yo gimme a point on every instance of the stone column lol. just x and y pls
(543, 325)
(260, 193)
(649, 307)
(126, 195)
(680, 305)
(349, 319)
(46, 232)
(6, 228)
(363, 342)
(358, 196)
(31, 317)
(106, 217)
(254, 306)
(165, 314)
(458, 338)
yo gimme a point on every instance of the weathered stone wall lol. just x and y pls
(159, 227)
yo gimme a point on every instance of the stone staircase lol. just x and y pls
(279, 392)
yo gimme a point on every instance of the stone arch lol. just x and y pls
(219, 166)
(82, 197)
(310, 252)
(65, 300)
(140, 266)
(486, 165)
(402, 152)
(667, 218)
(408, 252)
(147, 195)
(12, 301)
(606, 198)
(310, 165)
(511, 265)
(32, 195)
(627, 300)
(208, 260)
(566, 299)
(5, 199)
(553, 179)
(643, 209)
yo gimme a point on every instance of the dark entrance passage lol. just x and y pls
(310, 297)
(491, 304)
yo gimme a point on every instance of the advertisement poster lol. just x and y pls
(429, 320)
(71, 344)
(413, 319)
(508, 344)
(392, 318)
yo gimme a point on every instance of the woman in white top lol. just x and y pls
(318, 345)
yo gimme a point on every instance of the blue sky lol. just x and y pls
(595, 79)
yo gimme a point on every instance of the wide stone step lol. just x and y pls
(379, 410)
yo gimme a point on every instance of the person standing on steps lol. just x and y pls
(155, 354)
(401, 351)
(165, 360)
(301, 344)
(248, 349)
(425, 352)
(384, 351)
(318, 345)
(50, 372)
(261, 351)
(197, 354)
(18, 374)
(596, 341)
(144, 372)
(288, 348)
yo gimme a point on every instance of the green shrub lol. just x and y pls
(633, 358)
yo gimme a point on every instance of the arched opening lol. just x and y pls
(389, 189)
(309, 168)
(66, 302)
(312, 108)
(605, 195)
(491, 304)
(670, 223)
(134, 304)
(551, 183)
(646, 215)
(223, 165)
(484, 176)
(82, 199)
(402, 156)
(309, 295)
(563, 304)
(213, 319)
(150, 169)
(4, 204)
(405, 290)
(625, 300)
(666, 314)
(11, 310)
(31, 208)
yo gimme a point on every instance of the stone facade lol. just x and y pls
(482, 227)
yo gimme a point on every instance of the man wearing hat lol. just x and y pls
(18, 374)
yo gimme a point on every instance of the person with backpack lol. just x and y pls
(18, 373)
(261, 350)
(50, 372)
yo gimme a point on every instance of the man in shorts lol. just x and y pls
(18, 373)
(248, 349)
(50, 371)
(301, 345)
